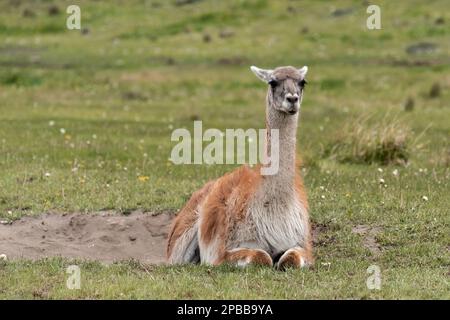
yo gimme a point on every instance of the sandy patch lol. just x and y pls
(106, 237)
(369, 237)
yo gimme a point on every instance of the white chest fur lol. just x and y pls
(279, 222)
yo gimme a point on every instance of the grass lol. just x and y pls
(131, 280)
(84, 116)
(385, 142)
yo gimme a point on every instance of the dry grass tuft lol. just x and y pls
(442, 158)
(384, 142)
(435, 90)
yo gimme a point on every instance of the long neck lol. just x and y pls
(287, 129)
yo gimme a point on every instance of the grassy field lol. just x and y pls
(86, 119)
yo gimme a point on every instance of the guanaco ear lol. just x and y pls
(264, 75)
(303, 72)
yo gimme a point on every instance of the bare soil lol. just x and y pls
(369, 233)
(104, 236)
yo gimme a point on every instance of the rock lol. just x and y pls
(291, 9)
(185, 2)
(133, 95)
(341, 12)
(226, 33)
(3, 257)
(421, 48)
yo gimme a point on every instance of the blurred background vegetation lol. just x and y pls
(86, 117)
(85, 112)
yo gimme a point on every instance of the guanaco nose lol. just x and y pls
(292, 99)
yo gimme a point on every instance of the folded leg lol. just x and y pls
(296, 257)
(243, 257)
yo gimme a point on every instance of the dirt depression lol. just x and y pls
(105, 237)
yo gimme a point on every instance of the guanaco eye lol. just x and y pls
(302, 83)
(273, 83)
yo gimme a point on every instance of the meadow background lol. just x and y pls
(86, 117)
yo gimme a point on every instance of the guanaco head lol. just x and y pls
(286, 86)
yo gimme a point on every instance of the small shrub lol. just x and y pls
(384, 142)
(207, 38)
(13, 78)
(435, 90)
(409, 104)
(53, 10)
(442, 158)
(28, 13)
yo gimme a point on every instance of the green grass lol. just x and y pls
(143, 69)
(345, 280)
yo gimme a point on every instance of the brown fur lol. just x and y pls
(293, 258)
(187, 216)
(226, 205)
(254, 256)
